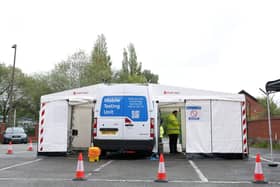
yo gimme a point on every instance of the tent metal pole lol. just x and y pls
(270, 136)
(269, 125)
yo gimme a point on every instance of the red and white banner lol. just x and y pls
(244, 128)
(41, 126)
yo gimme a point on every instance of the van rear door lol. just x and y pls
(136, 124)
(110, 123)
(123, 117)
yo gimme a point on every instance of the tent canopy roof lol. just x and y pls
(157, 92)
(273, 86)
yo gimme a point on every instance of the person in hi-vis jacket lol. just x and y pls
(161, 133)
(173, 131)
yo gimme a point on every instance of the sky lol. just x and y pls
(217, 45)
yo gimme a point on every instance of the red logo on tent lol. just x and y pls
(170, 92)
(76, 93)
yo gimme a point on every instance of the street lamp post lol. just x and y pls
(12, 83)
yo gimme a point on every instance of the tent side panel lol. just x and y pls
(53, 127)
(226, 127)
(198, 127)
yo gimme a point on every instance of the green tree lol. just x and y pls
(76, 71)
(66, 75)
(58, 78)
(16, 95)
(150, 77)
(274, 109)
(125, 63)
(69, 73)
(134, 66)
(78, 62)
(122, 76)
(33, 88)
(4, 91)
(99, 68)
(4, 81)
(131, 71)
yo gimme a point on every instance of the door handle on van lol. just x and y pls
(129, 125)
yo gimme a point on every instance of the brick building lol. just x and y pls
(257, 124)
(254, 109)
(258, 129)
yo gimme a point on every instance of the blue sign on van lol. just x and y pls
(134, 107)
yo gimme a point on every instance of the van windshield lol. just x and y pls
(133, 107)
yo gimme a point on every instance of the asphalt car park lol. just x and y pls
(24, 168)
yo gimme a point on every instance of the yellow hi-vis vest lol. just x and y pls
(172, 125)
(161, 131)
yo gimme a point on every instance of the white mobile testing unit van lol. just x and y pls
(126, 117)
(123, 119)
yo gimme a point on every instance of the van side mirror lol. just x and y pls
(74, 132)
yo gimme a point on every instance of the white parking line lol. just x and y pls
(99, 168)
(27, 152)
(130, 180)
(102, 166)
(17, 153)
(267, 160)
(21, 164)
(199, 173)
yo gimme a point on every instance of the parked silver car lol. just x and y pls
(15, 135)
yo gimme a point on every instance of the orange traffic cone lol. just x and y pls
(30, 148)
(161, 176)
(10, 148)
(258, 174)
(80, 174)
